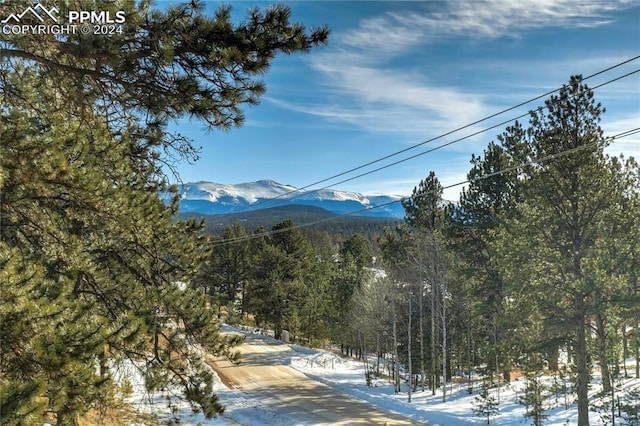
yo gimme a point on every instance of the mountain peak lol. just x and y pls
(217, 198)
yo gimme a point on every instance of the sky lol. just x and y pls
(396, 74)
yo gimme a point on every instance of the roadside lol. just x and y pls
(305, 401)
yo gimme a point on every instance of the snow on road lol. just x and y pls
(250, 407)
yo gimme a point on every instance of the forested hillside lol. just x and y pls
(534, 271)
(339, 227)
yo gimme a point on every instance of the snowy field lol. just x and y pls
(347, 377)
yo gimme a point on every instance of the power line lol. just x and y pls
(479, 178)
(431, 149)
(386, 157)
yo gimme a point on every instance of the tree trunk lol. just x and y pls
(497, 355)
(582, 387)
(396, 365)
(433, 340)
(636, 335)
(469, 361)
(410, 375)
(377, 353)
(421, 296)
(601, 335)
(637, 345)
(444, 347)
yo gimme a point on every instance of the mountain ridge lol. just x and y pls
(308, 217)
(206, 197)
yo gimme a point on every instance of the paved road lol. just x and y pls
(290, 392)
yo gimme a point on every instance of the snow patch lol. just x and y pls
(346, 376)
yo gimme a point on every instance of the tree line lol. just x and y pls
(90, 259)
(532, 263)
(534, 270)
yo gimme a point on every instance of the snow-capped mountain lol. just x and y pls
(217, 198)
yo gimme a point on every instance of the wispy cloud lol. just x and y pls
(365, 86)
(630, 145)
(486, 19)
(384, 100)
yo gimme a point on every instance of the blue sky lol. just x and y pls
(398, 73)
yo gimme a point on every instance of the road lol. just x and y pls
(287, 391)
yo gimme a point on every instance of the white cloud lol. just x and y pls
(384, 100)
(365, 84)
(395, 31)
(365, 87)
(630, 145)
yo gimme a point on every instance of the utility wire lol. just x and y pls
(479, 178)
(395, 163)
(386, 157)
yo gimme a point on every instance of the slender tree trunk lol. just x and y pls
(421, 300)
(396, 365)
(433, 339)
(637, 345)
(377, 353)
(469, 362)
(444, 348)
(636, 336)
(409, 349)
(582, 387)
(601, 335)
(497, 356)
(625, 350)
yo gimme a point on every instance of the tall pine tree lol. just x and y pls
(553, 240)
(89, 255)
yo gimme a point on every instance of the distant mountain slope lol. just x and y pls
(311, 217)
(215, 198)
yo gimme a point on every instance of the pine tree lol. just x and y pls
(534, 399)
(279, 280)
(630, 407)
(485, 405)
(551, 246)
(424, 209)
(227, 269)
(90, 256)
(483, 206)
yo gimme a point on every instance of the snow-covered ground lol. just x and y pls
(346, 376)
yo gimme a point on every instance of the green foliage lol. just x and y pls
(424, 209)
(89, 256)
(535, 394)
(563, 227)
(485, 405)
(227, 269)
(169, 64)
(630, 408)
(279, 280)
(563, 386)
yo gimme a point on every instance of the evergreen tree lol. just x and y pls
(90, 257)
(354, 257)
(630, 407)
(551, 244)
(280, 279)
(104, 255)
(424, 209)
(534, 398)
(227, 269)
(485, 405)
(471, 229)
